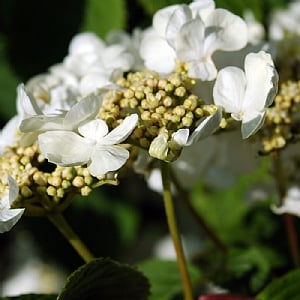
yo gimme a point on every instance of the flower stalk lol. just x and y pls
(66, 230)
(173, 228)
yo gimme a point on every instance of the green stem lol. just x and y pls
(63, 226)
(173, 228)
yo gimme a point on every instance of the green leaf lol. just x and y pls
(31, 297)
(152, 6)
(225, 210)
(283, 288)
(261, 9)
(105, 279)
(103, 16)
(165, 278)
(256, 262)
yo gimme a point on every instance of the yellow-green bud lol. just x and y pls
(78, 181)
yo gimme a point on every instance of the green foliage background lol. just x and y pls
(34, 35)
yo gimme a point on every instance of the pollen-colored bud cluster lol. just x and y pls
(282, 122)
(163, 105)
(43, 187)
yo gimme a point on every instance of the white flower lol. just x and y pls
(291, 203)
(53, 91)
(158, 55)
(131, 42)
(93, 145)
(8, 135)
(247, 94)
(10, 132)
(206, 128)
(256, 31)
(9, 216)
(192, 34)
(159, 147)
(85, 110)
(285, 21)
(89, 54)
(199, 38)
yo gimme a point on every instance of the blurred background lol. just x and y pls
(121, 222)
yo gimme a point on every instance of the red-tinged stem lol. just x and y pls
(280, 180)
(292, 237)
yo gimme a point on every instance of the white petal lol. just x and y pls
(106, 159)
(251, 126)
(229, 90)
(85, 43)
(206, 128)
(86, 109)
(26, 105)
(189, 43)
(65, 148)
(42, 123)
(178, 18)
(91, 82)
(9, 217)
(181, 136)
(204, 70)
(291, 203)
(161, 19)
(228, 31)
(121, 132)
(13, 189)
(292, 207)
(94, 130)
(157, 54)
(262, 81)
(116, 56)
(202, 7)
(9, 132)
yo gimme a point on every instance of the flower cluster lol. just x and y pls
(79, 123)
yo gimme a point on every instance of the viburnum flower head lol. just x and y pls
(192, 34)
(9, 216)
(92, 145)
(247, 94)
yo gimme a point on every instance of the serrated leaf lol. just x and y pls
(31, 297)
(283, 288)
(103, 16)
(105, 279)
(165, 278)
